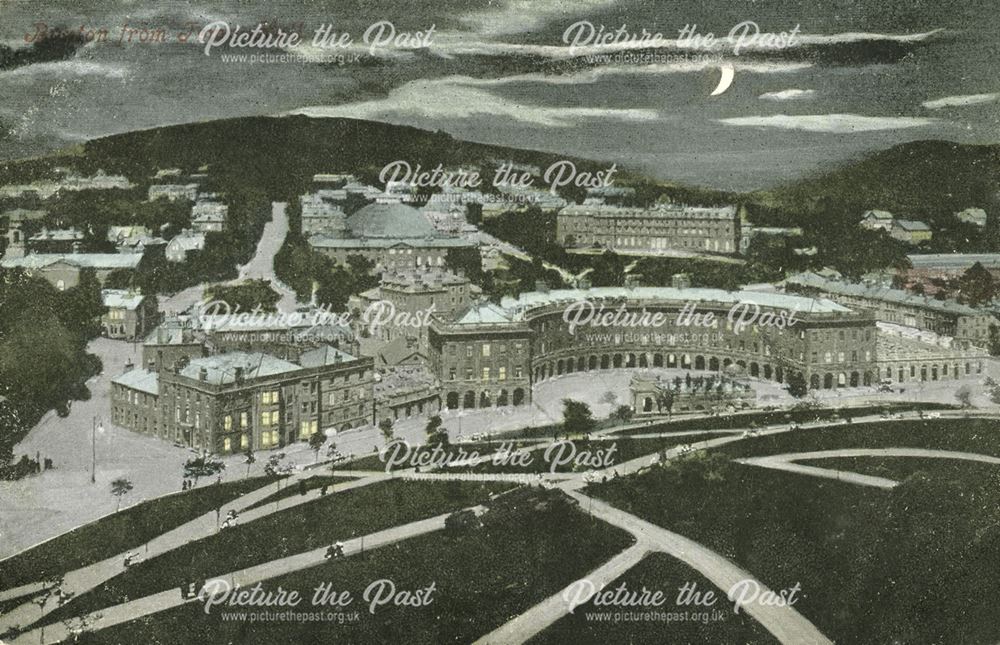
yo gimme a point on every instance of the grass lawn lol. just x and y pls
(762, 419)
(307, 484)
(127, 529)
(965, 435)
(624, 450)
(336, 517)
(915, 564)
(531, 545)
(672, 623)
(451, 452)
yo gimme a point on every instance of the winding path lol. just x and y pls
(786, 462)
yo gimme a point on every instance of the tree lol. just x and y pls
(622, 413)
(964, 396)
(202, 467)
(977, 285)
(249, 459)
(577, 417)
(316, 441)
(385, 425)
(665, 401)
(119, 488)
(436, 433)
(797, 385)
(994, 389)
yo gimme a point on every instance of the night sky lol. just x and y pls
(861, 76)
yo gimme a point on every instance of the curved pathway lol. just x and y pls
(786, 462)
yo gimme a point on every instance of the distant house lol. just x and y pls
(173, 192)
(130, 315)
(182, 244)
(118, 233)
(875, 220)
(910, 231)
(208, 216)
(975, 216)
(63, 269)
(61, 240)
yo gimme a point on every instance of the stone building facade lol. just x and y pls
(650, 230)
(231, 402)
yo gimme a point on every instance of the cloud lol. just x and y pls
(459, 97)
(832, 123)
(960, 101)
(788, 95)
(522, 16)
(450, 43)
(70, 69)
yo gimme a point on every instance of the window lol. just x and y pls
(486, 350)
(265, 419)
(502, 375)
(486, 374)
(269, 398)
(304, 430)
(451, 374)
(275, 418)
(243, 420)
(517, 372)
(227, 444)
(468, 373)
(468, 351)
(227, 423)
(244, 441)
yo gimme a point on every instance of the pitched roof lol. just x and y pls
(325, 355)
(121, 299)
(483, 313)
(82, 260)
(139, 379)
(221, 368)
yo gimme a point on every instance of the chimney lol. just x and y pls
(129, 365)
(238, 377)
(203, 374)
(76, 247)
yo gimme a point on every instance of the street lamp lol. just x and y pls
(95, 428)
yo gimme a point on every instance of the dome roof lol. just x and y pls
(391, 219)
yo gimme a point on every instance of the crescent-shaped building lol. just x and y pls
(492, 355)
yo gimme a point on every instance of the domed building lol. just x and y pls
(394, 236)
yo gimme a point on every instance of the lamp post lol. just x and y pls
(95, 426)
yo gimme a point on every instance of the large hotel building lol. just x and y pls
(705, 229)
(195, 391)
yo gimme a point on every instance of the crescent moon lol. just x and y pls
(728, 72)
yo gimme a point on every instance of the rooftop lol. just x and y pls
(139, 379)
(886, 294)
(221, 369)
(121, 299)
(790, 302)
(82, 260)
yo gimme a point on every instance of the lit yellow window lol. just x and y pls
(275, 418)
(502, 376)
(304, 430)
(486, 373)
(265, 419)
(244, 441)
(228, 423)
(226, 444)
(244, 420)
